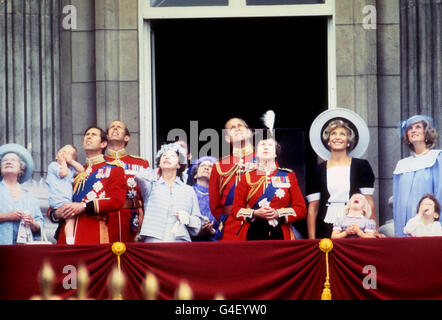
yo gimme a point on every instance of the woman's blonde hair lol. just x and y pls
(334, 124)
(430, 136)
(367, 207)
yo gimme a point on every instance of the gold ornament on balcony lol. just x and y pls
(326, 245)
(46, 278)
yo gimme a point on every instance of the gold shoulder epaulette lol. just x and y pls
(137, 157)
(285, 169)
(117, 163)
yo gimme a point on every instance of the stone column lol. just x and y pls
(389, 99)
(357, 72)
(100, 68)
(30, 77)
(421, 60)
(78, 69)
(116, 34)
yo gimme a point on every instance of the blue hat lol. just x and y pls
(414, 119)
(199, 161)
(24, 155)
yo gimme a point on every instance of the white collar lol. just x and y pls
(177, 180)
(417, 162)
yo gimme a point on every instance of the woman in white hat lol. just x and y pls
(338, 136)
(171, 207)
(17, 205)
(417, 175)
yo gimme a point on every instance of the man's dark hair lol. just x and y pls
(103, 134)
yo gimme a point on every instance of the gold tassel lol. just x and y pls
(326, 245)
(80, 181)
(118, 248)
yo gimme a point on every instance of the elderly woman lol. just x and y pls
(18, 206)
(171, 207)
(200, 173)
(417, 175)
(268, 199)
(338, 136)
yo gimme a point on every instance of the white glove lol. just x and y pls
(183, 217)
(273, 222)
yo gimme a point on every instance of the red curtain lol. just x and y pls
(405, 268)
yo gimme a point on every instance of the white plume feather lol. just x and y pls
(269, 120)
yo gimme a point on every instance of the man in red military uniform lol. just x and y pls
(226, 173)
(268, 200)
(99, 192)
(125, 225)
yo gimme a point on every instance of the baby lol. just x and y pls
(60, 177)
(356, 222)
(425, 223)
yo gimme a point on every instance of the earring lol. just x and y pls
(348, 145)
(329, 144)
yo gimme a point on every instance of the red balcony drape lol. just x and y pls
(405, 268)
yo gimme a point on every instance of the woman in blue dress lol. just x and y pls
(200, 173)
(418, 174)
(17, 205)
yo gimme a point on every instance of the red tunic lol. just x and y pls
(104, 193)
(122, 222)
(226, 173)
(287, 200)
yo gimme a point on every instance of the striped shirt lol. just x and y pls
(161, 202)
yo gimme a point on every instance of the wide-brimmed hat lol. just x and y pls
(356, 122)
(412, 120)
(24, 154)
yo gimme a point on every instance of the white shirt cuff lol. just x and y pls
(313, 197)
(367, 191)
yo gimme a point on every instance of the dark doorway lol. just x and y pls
(209, 70)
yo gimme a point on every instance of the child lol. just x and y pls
(60, 177)
(424, 224)
(356, 222)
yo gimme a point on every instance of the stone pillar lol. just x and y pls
(78, 69)
(30, 77)
(421, 60)
(389, 99)
(357, 72)
(116, 34)
(101, 68)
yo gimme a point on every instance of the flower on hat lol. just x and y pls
(174, 147)
(412, 120)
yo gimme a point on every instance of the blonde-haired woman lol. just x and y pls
(338, 136)
(417, 175)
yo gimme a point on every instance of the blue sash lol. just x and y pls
(231, 195)
(89, 184)
(270, 191)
